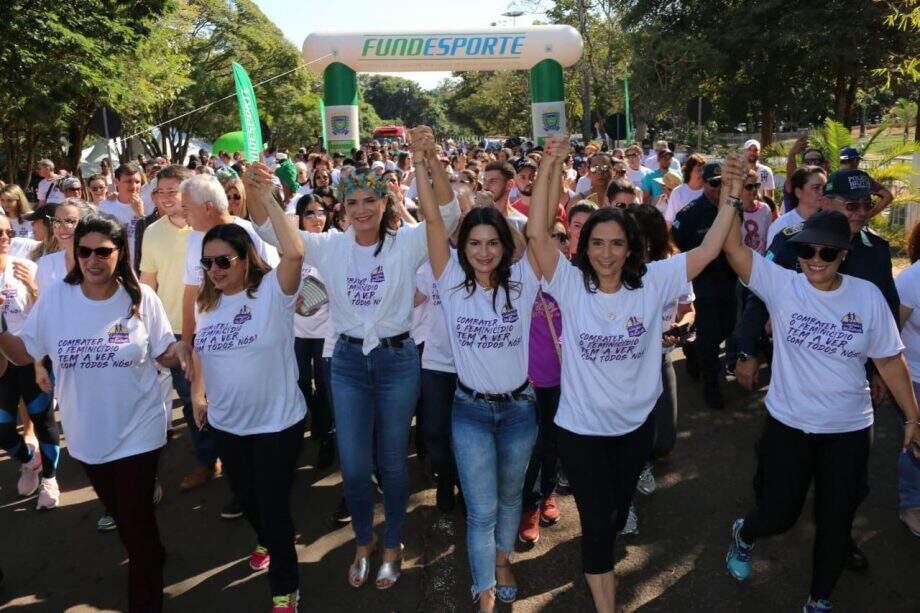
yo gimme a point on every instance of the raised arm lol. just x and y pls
(427, 167)
(700, 257)
(258, 184)
(542, 252)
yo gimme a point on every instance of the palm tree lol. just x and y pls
(902, 113)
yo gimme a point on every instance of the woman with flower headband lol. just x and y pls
(370, 271)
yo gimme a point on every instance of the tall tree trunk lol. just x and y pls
(77, 136)
(917, 123)
(767, 125)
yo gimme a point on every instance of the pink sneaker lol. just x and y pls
(49, 495)
(30, 474)
(259, 558)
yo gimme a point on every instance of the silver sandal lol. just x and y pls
(358, 571)
(390, 571)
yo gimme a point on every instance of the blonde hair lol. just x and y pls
(237, 184)
(23, 207)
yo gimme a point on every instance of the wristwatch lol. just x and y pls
(734, 202)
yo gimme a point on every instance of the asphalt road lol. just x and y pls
(56, 561)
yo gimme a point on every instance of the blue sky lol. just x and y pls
(298, 18)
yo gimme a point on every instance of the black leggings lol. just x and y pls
(545, 451)
(603, 472)
(665, 411)
(789, 460)
(261, 470)
(312, 382)
(18, 382)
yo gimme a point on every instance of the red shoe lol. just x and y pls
(529, 530)
(549, 512)
(259, 558)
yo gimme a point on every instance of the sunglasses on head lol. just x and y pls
(223, 261)
(600, 168)
(752, 186)
(562, 237)
(102, 253)
(714, 182)
(807, 252)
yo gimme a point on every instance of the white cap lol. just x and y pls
(281, 156)
(390, 165)
(750, 143)
(378, 164)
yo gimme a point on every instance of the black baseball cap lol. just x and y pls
(826, 228)
(524, 162)
(712, 171)
(42, 212)
(849, 184)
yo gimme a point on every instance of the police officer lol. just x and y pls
(714, 287)
(848, 192)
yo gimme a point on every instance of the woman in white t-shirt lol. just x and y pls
(246, 387)
(369, 271)
(612, 304)
(487, 301)
(825, 327)
(54, 267)
(908, 284)
(16, 206)
(111, 346)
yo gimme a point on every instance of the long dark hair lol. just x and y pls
(111, 228)
(501, 276)
(654, 229)
(633, 267)
(306, 200)
(241, 244)
(799, 178)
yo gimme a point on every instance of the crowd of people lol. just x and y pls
(522, 307)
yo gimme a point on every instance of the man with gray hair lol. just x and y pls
(48, 191)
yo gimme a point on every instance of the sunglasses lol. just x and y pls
(600, 168)
(103, 253)
(622, 205)
(632, 155)
(223, 262)
(619, 171)
(234, 197)
(9, 233)
(562, 237)
(807, 252)
(314, 213)
(715, 183)
(751, 186)
(854, 207)
(98, 188)
(72, 189)
(66, 223)
(814, 161)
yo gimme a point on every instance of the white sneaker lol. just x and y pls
(646, 483)
(49, 495)
(632, 522)
(157, 492)
(30, 474)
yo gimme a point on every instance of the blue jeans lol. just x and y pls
(492, 444)
(204, 442)
(908, 472)
(375, 395)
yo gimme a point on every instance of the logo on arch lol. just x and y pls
(340, 124)
(551, 121)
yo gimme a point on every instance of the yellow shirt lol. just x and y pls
(163, 253)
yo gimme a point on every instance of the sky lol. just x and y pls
(298, 18)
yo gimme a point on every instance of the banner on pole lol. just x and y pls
(322, 121)
(249, 114)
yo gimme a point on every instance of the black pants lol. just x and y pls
(603, 472)
(125, 487)
(790, 459)
(545, 452)
(665, 410)
(18, 383)
(312, 382)
(437, 400)
(261, 470)
(715, 322)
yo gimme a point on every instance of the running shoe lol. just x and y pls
(157, 492)
(549, 511)
(259, 558)
(632, 523)
(562, 482)
(817, 606)
(231, 510)
(341, 516)
(106, 523)
(30, 474)
(529, 529)
(286, 603)
(49, 495)
(738, 558)
(646, 481)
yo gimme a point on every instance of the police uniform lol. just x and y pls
(714, 288)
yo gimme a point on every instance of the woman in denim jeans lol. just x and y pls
(487, 301)
(369, 271)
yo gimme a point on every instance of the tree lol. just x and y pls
(404, 100)
(902, 113)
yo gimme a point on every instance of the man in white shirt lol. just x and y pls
(651, 162)
(764, 174)
(48, 191)
(127, 207)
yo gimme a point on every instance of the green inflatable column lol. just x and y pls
(340, 97)
(547, 94)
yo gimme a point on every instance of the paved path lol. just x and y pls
(57, 561)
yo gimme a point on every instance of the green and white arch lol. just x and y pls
(544, 50)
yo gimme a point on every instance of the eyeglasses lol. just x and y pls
(618, 170)
(234, 197)
(807, 252)
(752, 186)
(65, 223)
(632, 155)
(854, 207)
(562, 237)
(9, 233)
(223, 262)
(600, 168)
(715, 182)
(813, 161)
(98, 188)
(319, 213)
(72, 189)
(103, 253)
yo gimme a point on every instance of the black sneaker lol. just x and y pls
(446, 499)
(231, 510)
(341, 516)
(326, 454)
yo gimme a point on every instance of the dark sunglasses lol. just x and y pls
(854, 207)
(9, 233)
(562, 237)
(752, 186)
(813, 161)
(103, 253)
(73, 189)
(223, 262)
(234, 197)
(715, 183)
(807, 252)
(622, 205)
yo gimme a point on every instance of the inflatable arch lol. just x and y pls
(544, 50)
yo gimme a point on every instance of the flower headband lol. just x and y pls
(367, 181)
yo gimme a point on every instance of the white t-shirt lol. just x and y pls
(51, 267)
(247, 356)
(421, 316)
(908, 284)
(756, 227)
(584, 184)
(194, 273)
(316, 325)
(765, 177)
(490, 345)
(516, 219)
(821, 341)
(23, 228)
(438, 354)
(680, 197)
(23, 247)
(16, 305)
(110, 388)
(611, 351)
(651, 162)
(365, 283)
(786, 220)
(125, 215)
(635, 176)
(49, 192)
(147, 196)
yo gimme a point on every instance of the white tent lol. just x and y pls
(92, 155)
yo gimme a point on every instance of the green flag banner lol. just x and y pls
(322, 121)
(249, 114)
